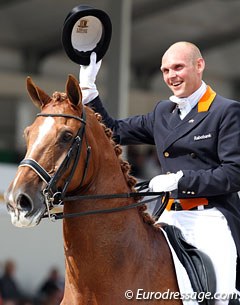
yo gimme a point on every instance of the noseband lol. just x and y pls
(54, 196)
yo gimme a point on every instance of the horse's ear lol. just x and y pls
(73, 90)
(38, 96)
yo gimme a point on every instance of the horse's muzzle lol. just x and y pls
(22, 210)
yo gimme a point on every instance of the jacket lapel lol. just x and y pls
(174, 118)
(178, 128)
(184, 127)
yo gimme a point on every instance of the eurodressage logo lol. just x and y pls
(82, 26)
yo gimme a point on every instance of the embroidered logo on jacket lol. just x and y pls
(202, 137)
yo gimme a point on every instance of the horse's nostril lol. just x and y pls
(24, 202)
(10, 208)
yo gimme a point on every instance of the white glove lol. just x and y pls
(87, 78)
(165, 183)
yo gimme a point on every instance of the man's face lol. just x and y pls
(181, 72)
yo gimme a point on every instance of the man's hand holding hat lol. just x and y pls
(87, 78)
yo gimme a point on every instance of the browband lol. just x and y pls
(69, 116)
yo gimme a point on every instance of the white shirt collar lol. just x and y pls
(186, 104)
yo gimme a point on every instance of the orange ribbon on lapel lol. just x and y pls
(206, 100)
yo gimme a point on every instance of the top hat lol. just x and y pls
(86, 30)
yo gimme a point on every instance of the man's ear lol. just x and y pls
(200, 64)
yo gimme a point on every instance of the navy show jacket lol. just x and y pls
(204, 145)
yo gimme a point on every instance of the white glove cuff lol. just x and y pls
(87, 83)
(88, 95)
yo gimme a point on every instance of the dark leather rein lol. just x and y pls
(55, 197)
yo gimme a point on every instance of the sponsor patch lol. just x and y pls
(202, 137)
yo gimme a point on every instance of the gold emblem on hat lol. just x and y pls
(82, 26)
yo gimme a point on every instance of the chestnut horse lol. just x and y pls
(106, 254)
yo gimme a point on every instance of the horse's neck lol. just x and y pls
(106, 182)
(106, 227)
(100, 248)
(100, 232)
(108, 176)
(105, 253)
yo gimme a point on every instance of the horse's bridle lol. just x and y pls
(55, 197)
(52, 195)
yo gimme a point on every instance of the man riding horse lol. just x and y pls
(197, 136)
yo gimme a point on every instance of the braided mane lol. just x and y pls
(126, 168)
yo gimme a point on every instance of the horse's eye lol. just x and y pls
(67, 137)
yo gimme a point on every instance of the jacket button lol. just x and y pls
(193, 155)
(166, 154)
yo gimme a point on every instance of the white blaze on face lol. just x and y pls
(10, 196)
(18, 216)
(43, 131)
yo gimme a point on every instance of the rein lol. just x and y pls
(54, 197)
(157, 196)
(160, 210)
